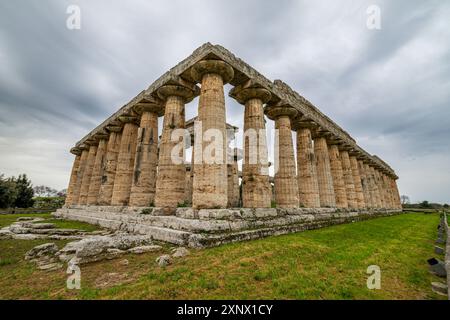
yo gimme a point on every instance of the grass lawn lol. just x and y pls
(329, 263)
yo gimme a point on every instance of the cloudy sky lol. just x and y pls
(389, 88)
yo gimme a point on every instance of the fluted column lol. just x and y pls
(233, 180)
(387, 195)
(97, 171)
(398, 204)
(87, 175)
(256, 189)
(308, 185)
(373, 187)
(73, 175)
(380, 189)
(125, 162)
(348, 180)
(338, 177)
(369, 183)
(146, 158)
(286, 186)
(77, 187)
(357, 181)
(210, 187)
(109, 173)
(324, 177)
(171, 177)
(365, 183)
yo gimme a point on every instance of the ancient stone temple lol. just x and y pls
(128, 174)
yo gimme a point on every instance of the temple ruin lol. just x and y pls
(124, 175)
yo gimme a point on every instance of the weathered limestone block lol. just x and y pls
(80, 173)
(338, 177)
(210, 189)
(125, 162)
(109, 172)
(324, 177)
(87, 175)
(348, 180)
(97, 171)
(146, 159)
(308, 185)
(171, 177)
(357, 183)
(256, 189)
(73, 176)
(286, 187)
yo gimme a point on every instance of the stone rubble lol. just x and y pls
(164, 260)
(180, 252)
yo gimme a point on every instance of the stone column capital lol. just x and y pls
(212, 66)
(176, 90)
(76, 151)
(274, 112)
(91, 142)
(128, 119)
(158, 109)
(113, 128)
(101, 136)
(242, 94)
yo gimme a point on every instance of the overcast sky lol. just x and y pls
(389, 88)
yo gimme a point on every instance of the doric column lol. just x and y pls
(398, 204)
(365, 184)
(324, 177)
(374, 188)
(146, 158)
(256, 189)
(370, 186)
(171, 177)
(286, 187)
(85, 183)
(210, 188)
(73, 175)
(125, 162)
(380, 189)
(83, 160)
(387, 194)
(109, 173)
(308, 186)
(338, 177)
(348, 179)
(97, 171)
(357, 181)
(233, 179)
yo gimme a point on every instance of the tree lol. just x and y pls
(44, 191)
(8, 192)
(446, 206)
(425, 204)
(62, 193)
(404, 199)
(25, 193)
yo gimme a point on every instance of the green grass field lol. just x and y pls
(329, 263)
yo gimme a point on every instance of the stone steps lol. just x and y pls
(173, 236)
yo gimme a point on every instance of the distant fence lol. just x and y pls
(421, 210)
(26, 210)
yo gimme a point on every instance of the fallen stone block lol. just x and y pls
(46, 249)
(439, 288)
(145, 249)
(164, 260)
(180, 252)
